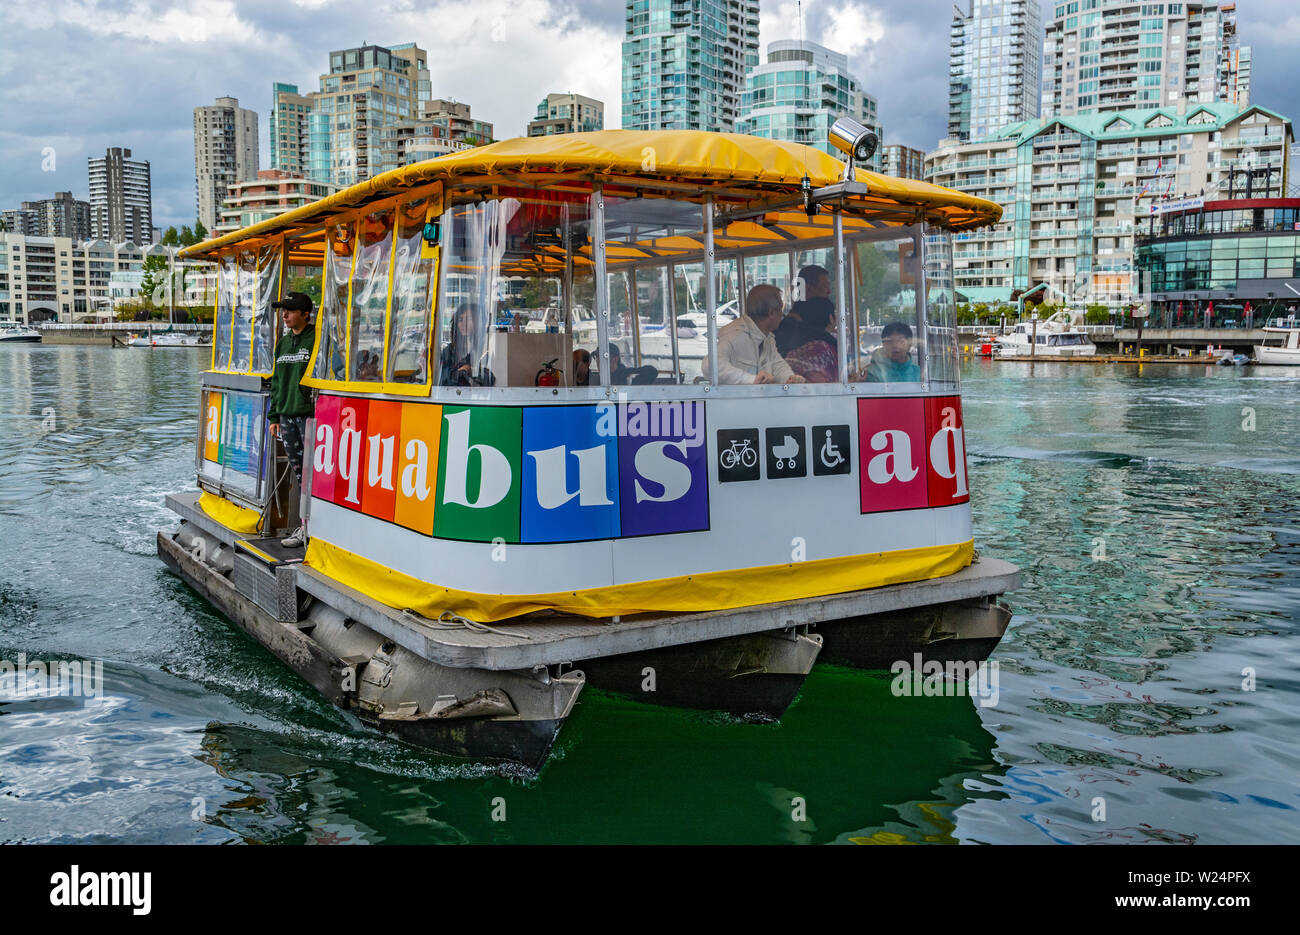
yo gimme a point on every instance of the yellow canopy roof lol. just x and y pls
(688, 164)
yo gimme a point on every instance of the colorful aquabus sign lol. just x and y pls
(233, 430)
(526, 474)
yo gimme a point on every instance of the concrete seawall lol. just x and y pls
(113, 333)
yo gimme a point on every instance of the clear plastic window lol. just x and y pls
(334, 303)
(517, 295)
(370, 297)
(227, 278)
(268, 290)
(942, 361)
(408, 337)
(658, 327)
(884, 289)
(659, 334)
(245, 304)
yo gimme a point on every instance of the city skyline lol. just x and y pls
(171, 58)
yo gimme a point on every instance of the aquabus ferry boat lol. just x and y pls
(497, 513)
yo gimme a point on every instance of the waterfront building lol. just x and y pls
(270, 194)
(60, 216)
(1225, 262)
(288, 126)
(567, 113)
(994, 66)
(121, 197)
(1104, 55)
(902, 162)
(800, 91)
(1072, 188)
(440, 127)
(60, 279)
(335, 134)
(684, 63)
(225, 152)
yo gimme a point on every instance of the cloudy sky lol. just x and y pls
(77, 76)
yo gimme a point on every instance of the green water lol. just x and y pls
(1119, 679)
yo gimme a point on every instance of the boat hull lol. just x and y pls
(490, 716)
(1277, 356)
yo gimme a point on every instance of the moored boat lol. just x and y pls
(1058, 335)
(481, 546)
(18, 333)
(1286, 352)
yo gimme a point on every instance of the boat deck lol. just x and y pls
(558, 638)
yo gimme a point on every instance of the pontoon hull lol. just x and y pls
(506, 716)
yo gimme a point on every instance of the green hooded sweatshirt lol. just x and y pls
(288, 396)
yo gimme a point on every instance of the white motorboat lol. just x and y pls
(168, 339)
(1058, 335)
(1286, 352)
(18, 333)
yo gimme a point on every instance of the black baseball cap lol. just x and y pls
(295, 301)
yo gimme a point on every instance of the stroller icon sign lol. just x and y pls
(787, 451)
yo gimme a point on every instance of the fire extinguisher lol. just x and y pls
(548, 375)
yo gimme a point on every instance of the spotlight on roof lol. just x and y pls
(854, 140)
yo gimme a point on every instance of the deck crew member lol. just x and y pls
(746, 349)
(290, 401)
(892, 361)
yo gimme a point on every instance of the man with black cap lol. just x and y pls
(290, 402)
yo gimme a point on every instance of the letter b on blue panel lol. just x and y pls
(570, 476)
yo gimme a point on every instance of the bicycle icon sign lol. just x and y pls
(741, 452)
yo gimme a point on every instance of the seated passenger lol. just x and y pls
(816, 285)
(460, 364)
(746, 349)
(618, 374)
(892, 361)
(581, 367)
(815, 355)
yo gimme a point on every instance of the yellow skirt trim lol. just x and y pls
(711, 590)
(233, 517)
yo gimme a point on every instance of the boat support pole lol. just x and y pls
(602, 286)
(710, 291)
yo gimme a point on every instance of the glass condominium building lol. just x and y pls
(800, 91)
(1102, 55)
(334, 134)
(994, 66)
(684, 62)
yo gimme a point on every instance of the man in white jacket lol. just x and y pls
(746, 349)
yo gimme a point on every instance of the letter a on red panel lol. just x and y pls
(945, 438)
(891, 454)
(325, 448)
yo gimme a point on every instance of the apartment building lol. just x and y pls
(567, 113)
(121, 197)
(60, 216)
(994, 66)
(1104, 55)
(902, 162)
(685, 61)
(799, 93)
(270, 194)
(1072, 189)
(61, 279)
(225, 152)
